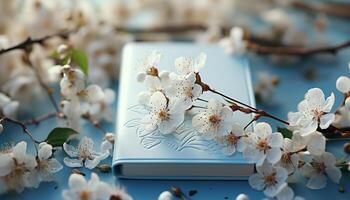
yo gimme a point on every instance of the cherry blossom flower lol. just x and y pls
(159, 84)
(16, 167)
(188, 65)
(94, 189)
(270, 179)
(72, 111)
(149, 72)
(108, 143)
(234, 44)
(289, 159)
(164, 115)
(8, 107)
(232, 141)
(72, 82)
(213, 121)
(318, 168)
(100, 110)
(263, 144)
(47, 165)
(313, 112)
(83, 154)
(185, 90)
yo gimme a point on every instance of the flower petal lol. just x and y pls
(256, 181)
(317, 181)
(70, 150)
(275, 139)
(72, 162)
(326, 120)
(316, 144)
(334, 174)
(273, 155)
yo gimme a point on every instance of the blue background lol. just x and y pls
(290, 91)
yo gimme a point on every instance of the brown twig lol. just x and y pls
(24, 128)
(26, 44)
(38, 120)
(331, 8)
(295, 51)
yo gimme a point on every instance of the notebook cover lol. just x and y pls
(222, 72)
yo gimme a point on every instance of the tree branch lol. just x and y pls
(331, 8)
(296, 51)
(26, 44)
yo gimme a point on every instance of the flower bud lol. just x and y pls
(166, 195)
(62, 49)
(242, 197)
(347, 147)
(109, 137)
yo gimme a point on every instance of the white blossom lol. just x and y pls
(189, 65)
(72, 111)
(158, 84)
(166, 195)
(185, 90)
(83, 154)
(317, 169)
(313, 112)
(215, 120)
(164, 114)
(263, 144)
(16, 168)
(149, 72)
(100, 110)
(94, 189)
(234, 43)
(8, 107)
(108, 143)
(289, 159)
(232, 141)
(268, 178)
(47, 165)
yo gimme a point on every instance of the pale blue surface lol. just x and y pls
(288, 94)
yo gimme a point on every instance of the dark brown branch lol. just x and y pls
(295, 51)
(24, 128)
(26, 44)
(38, 120)
(331, 8)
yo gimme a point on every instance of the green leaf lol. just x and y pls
(80, 58)
(58, 136)
(285, 132)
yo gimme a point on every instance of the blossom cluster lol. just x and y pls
(80, 188)
(19, 170)
(171, 95)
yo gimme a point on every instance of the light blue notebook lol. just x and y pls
(184, 155)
